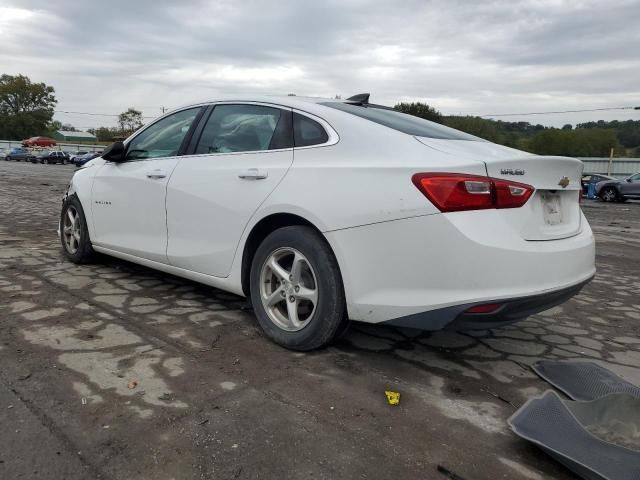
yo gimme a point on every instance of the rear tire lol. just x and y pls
(299, 302)
(74, 234)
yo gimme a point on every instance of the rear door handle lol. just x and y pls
(253, 174)
(155, 174)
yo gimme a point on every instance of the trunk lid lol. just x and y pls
(553, 211)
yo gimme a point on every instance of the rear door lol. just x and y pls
(128, 198)
(237, 160)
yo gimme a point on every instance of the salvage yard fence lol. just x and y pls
(616, 167)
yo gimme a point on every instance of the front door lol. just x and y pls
(631, 186)
(128, 198)
(243, 153)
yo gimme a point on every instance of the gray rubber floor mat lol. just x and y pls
(583, 380)
(549, 422)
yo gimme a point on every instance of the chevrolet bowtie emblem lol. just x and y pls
(564, 181)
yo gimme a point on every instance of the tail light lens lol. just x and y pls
(452, 192)
(484, 308)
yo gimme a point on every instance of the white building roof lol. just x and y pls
(66, 133)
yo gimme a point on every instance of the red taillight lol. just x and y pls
(511, 194)
(484, 308)
(452, 192)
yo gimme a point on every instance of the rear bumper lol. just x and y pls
(430, 269)
(511, 311)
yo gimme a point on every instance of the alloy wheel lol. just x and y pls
(609, 195)
(288, 289)
(71, 230)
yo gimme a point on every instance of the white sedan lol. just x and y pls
(324, 211)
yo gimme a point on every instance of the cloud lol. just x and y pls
(495, 56)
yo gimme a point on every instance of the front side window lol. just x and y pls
(245, 128)
(163, 138)
(308, 132)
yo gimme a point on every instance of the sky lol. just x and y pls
(475, 57)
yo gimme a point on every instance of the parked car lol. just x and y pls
(19, 154)
(39, 142)
(593, 180)
(78, 154)
(323, 211)
(616, 190)
(47, 157)
(82, 159)
(3, 153)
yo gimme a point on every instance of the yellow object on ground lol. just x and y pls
(392, 397)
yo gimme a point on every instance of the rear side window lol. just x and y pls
(245, 128)
(402, 122)
(308, 132)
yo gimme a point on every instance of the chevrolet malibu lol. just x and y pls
(323, 211)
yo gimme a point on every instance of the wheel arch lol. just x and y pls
(261, 230)
(80, 185)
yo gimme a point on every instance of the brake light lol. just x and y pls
(453, 192)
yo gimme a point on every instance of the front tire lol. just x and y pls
(296, 289)
(74, 234)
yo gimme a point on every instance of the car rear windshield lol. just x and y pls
(402, 122)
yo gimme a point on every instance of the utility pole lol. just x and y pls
(610, 162)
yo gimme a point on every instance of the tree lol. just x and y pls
(130, 121)
(581, 142)
(477, 126)
(26, 108)
(67, 127)
(107, 134)
(54, 126)
(421, 110)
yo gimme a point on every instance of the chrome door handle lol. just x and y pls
(253, 174)
(155, 174)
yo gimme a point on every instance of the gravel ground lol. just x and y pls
(116, 371)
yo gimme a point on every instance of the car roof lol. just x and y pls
(309, 104)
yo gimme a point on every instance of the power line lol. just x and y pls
(163, 109)
(559, 111)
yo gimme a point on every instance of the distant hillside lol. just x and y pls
(592, 139)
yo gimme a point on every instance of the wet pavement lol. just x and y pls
(112, 370)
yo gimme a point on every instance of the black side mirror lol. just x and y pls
(114, 152)
(628, 179)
